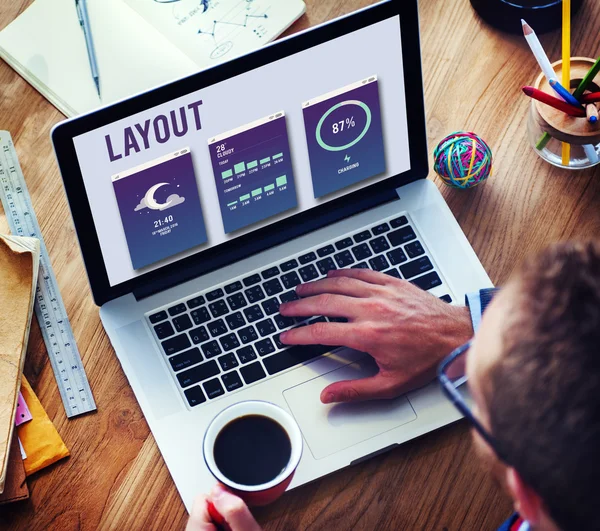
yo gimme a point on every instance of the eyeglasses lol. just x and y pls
(453, 378)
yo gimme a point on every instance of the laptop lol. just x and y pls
(201, 205)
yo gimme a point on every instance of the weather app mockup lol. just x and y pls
(344, 136)
(253, 172)
(160, 208)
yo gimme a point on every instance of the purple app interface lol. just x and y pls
(253, 172)
(344, 135)
(160, 208)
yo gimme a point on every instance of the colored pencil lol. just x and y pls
(543, 141)
(566, 65)
(590, 153)
(588, 78)
(538, 51)
(546, 98)
(591, 112)
(564, 93)
(592, 97)
(544, 63)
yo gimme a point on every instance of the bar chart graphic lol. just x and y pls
(253, 172)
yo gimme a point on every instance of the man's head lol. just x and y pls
(534, 372)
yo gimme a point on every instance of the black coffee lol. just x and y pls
(252, 450)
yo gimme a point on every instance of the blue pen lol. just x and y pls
(84, 21)
(564, 93)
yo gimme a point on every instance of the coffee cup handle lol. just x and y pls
(217, 518)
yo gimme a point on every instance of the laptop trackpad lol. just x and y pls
(331, 428)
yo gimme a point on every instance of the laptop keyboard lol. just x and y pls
(226, 338)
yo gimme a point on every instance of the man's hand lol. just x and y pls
(407, 331)
(232, 509)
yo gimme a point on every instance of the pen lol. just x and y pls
(84, 21)
(564, 93)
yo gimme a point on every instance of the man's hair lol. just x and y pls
(544, 403)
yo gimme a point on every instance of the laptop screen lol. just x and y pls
(242, 154)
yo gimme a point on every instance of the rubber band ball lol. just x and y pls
(463, 160)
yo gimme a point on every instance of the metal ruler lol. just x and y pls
(49, 307)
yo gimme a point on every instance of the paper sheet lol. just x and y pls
(23, 454)
(212, 31)
(23, 414)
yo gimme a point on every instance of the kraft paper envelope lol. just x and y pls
(19, 262)
(41, 442)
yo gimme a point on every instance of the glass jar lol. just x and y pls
(548, 128)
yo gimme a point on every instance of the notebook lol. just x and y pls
(15, 487)
(139, 44)
(19, 262)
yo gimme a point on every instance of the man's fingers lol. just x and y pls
(330, 334)
(351, 287)
(199, 518)
(233, 509)
(324, 304)
(374, 387)
(366, 275)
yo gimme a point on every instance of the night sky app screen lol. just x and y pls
(160, 208)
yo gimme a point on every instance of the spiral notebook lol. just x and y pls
(139, 44)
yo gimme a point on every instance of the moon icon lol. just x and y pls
(151, 202)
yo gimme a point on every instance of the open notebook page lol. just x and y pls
(213, 31)
(46, 46)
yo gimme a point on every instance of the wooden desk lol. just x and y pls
(116, 477)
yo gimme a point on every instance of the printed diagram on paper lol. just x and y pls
(212, 31)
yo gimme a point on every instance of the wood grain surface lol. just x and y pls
(116, 478)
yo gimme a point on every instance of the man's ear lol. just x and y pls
(527, 502)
